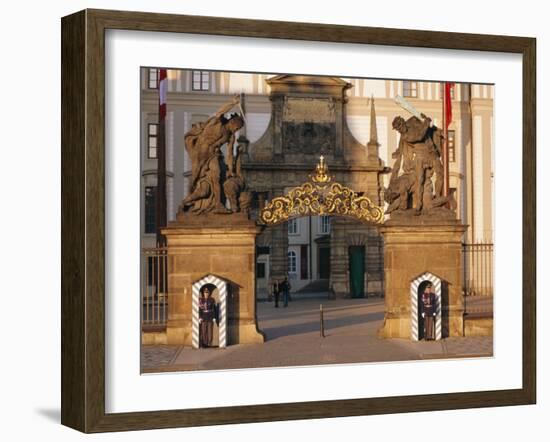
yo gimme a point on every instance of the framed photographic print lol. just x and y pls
(267, 220)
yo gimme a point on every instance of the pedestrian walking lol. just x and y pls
(285, 287)
(275, 292)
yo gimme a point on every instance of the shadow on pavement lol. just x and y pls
(313, 326)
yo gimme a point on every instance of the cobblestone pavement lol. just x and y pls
(293, 339)
(158, 355)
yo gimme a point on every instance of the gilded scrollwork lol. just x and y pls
(321, 196)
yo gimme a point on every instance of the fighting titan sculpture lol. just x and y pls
(417, 162)
(213, 177)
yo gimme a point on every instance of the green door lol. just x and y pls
(357, 271)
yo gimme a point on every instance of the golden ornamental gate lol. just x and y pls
(321, 196)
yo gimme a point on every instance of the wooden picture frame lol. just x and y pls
(83, 220)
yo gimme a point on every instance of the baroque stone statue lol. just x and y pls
(213, 177)
(417, 165)
(234, 185)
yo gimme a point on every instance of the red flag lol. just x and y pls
(448, 103)
(161, 159)
(163, 87)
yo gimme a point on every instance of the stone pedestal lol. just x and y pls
(413, 246)
(221, 245)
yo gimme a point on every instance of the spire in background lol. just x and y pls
(373, 144)
(373, 131)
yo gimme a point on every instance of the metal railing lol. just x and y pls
(478, 269)
(154, 288)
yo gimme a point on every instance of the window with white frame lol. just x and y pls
(153, 79)
(324, 224)
(410, 89)
(293, 227)
(152, 138)
(201, 81)
(260, 270)
(292, 261)
(451, 146)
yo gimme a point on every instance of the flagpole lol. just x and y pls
(161, 160)
(444, 144)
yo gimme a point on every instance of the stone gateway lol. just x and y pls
(218, 230)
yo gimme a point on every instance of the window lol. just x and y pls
(259, 199)
(324, 224)
(291, 261)
(262, 250)
(293, 227)
(303, 261)
(201, 81)
(260, 270)
(153, 80)
(152, 140)
(150, 209)
(410, 89)
(451, 146)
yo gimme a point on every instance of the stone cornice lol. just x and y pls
(148, 172)
(280, 167)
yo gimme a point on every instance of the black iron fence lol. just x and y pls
(478, 269)
(154, 288)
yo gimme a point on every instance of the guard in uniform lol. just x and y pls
(428, 311)
(207, 315)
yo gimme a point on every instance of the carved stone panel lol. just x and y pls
(309, 125)
(301, 110)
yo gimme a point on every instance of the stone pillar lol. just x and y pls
(412, 246)
(372, 184)
(339, 259)
(340, 116)
(277, 106)
(278, 259)
(374, 264)
(279, 250)
(225, 247)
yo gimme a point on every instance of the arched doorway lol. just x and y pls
(357, 271)
(322, 198)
